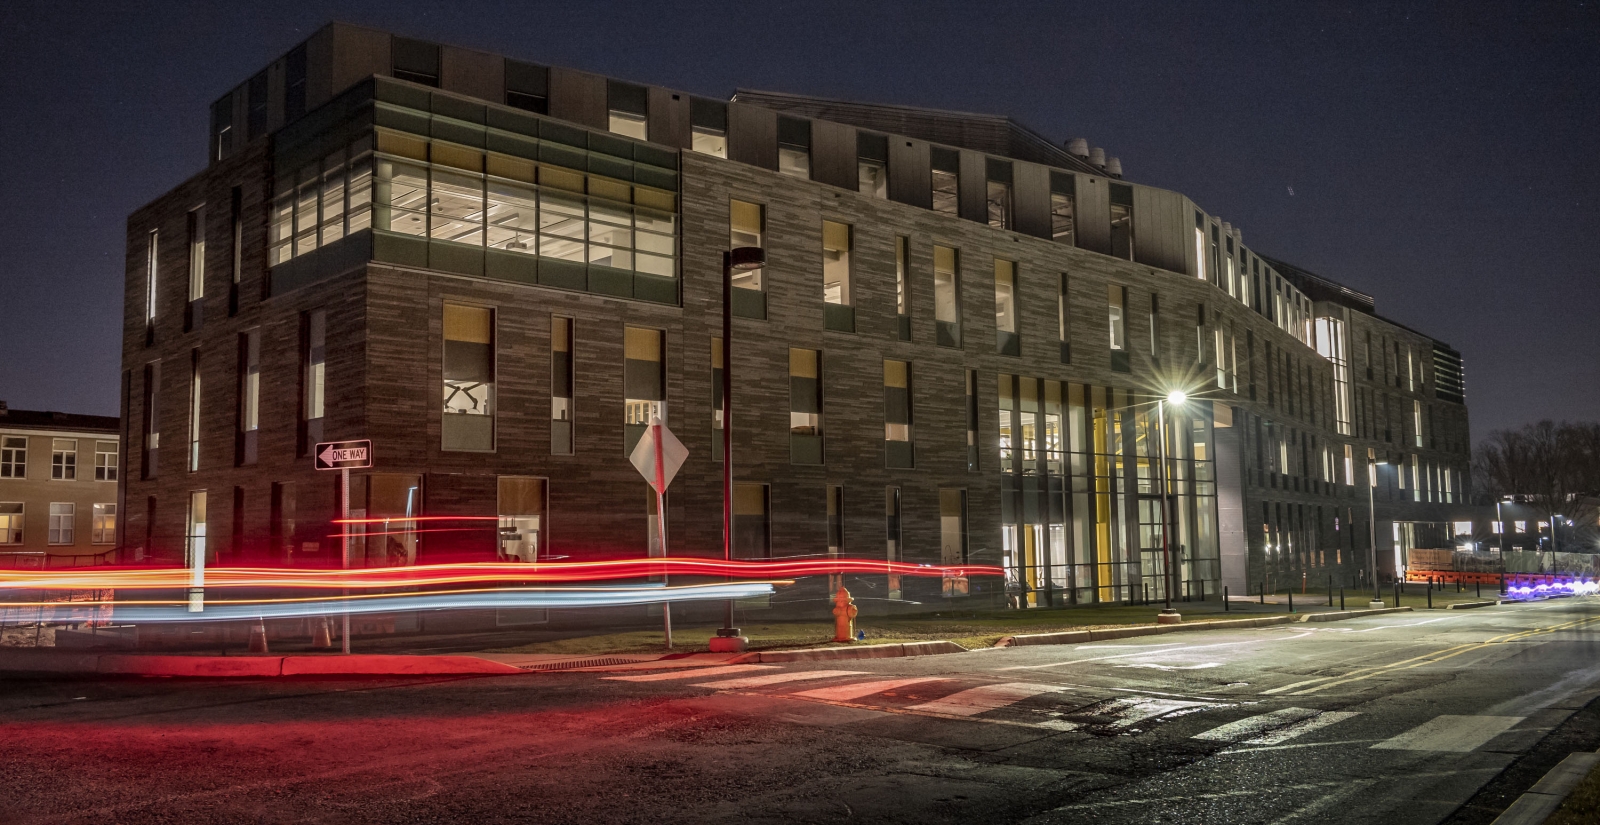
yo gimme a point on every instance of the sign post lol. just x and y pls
(343, 456)
(658, 457)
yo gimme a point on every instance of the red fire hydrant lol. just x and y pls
(844, 616)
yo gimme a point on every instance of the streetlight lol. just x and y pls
(1372, 523)
(1169, 615)
(739, 259)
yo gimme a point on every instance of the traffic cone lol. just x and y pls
(258, 637)
(322, 634)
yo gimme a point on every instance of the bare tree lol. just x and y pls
(1554, 468)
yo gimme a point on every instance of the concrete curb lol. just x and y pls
(236, 667)
(828, 654)
(1340, 615)
(1469, 605)
(1072, 637)
(1546, 795)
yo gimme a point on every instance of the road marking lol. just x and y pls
(976, 700)
(1127, 711)
(776, 678)
(1254, 725)
(1162, 650)
(1145, 647)
(1154, 666)
(1453, 734)
(690, 673)
(856, 690)
(1295, 685)
(1231, 751)
(1302, 727)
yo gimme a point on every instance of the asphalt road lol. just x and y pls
(1391, 719)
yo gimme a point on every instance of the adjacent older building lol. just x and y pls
(58, 488)
(498, 271)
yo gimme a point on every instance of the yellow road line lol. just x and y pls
(1362, 674)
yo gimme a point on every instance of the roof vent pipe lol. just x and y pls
(1114, 167)
(1097, 157)
(1078, 147)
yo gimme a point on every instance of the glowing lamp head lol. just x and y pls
(1177, 397)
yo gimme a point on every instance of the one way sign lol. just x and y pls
(344, 455)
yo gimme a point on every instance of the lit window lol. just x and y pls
(468, 392)
(708, 141)
(643, 383)
(1005, 308)
(805, 407)
(64, 458)
(794, 147)
(1115, 299)
(629, 124)
(752, 533)
(946, 296)
(902, 285)
(972, 420)
(197, 253)
(250, 383)
(897, 414)
(11, 514)
(104, 529)
(836, 263)
(561, 385)
(194, 410)
(746, 227)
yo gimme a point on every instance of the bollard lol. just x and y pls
(1330, 591)
(1225, 605)
(1291, 600)
(1430, 598)
(1478, 588)
(1397, 593)
(1263, 592)
(1341, 598)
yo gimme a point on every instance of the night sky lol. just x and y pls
(1445, 164)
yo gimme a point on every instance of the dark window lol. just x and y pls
(946, 180)
(256, 95)
(997, 196)
(294, 82)
(1063, 208)
(794, 147)
(1122, 222)
(416, 61)
(710, 114)
(527, 86)
(872, 165)
(222, 127)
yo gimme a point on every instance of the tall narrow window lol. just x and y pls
(63, 522)
(1221, 349)
(64, 459)
(104, 528)
(1063, 208)
(1200, 247)
(314, 379)
(644, 386)
(1349, 465)
(235, 249)
(997, 195)
(152, 419)
(716, 399)
(11, 518)
(946, 165)
(194, 410)
(195, 556)
(902, 286)
(1062, 304)
(893, 546)
(521, 506)
(708, 130)
(794, 147)
(197, 253)
(897, 414)
(467, 421)
(249, 395)
(151, 280)
(14, 456)
(953, 529)
(838, 313)
(105, 461)
(1416, 422)
(752, 532)
(1117, 325)
(946, 296)
(1155, 326)
(972, 421)
(561, 385)
(872, 165)
(805, 406)
(1007, 342)
(1122, 222)
(835, 520)
(746, 227)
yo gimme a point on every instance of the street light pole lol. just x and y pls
(1169, 615)
(1372, 524)
(742, 259)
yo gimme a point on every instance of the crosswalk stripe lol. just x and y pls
(1454, 734)
(1302, 727)
(1128, 711)
(856, 690)
(775, 678)
(1251, 726)
(691, 673)
(976, 700)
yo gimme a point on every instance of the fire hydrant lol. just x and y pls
(844, 616)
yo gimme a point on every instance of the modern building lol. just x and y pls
(498, 271)
(58, 488)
